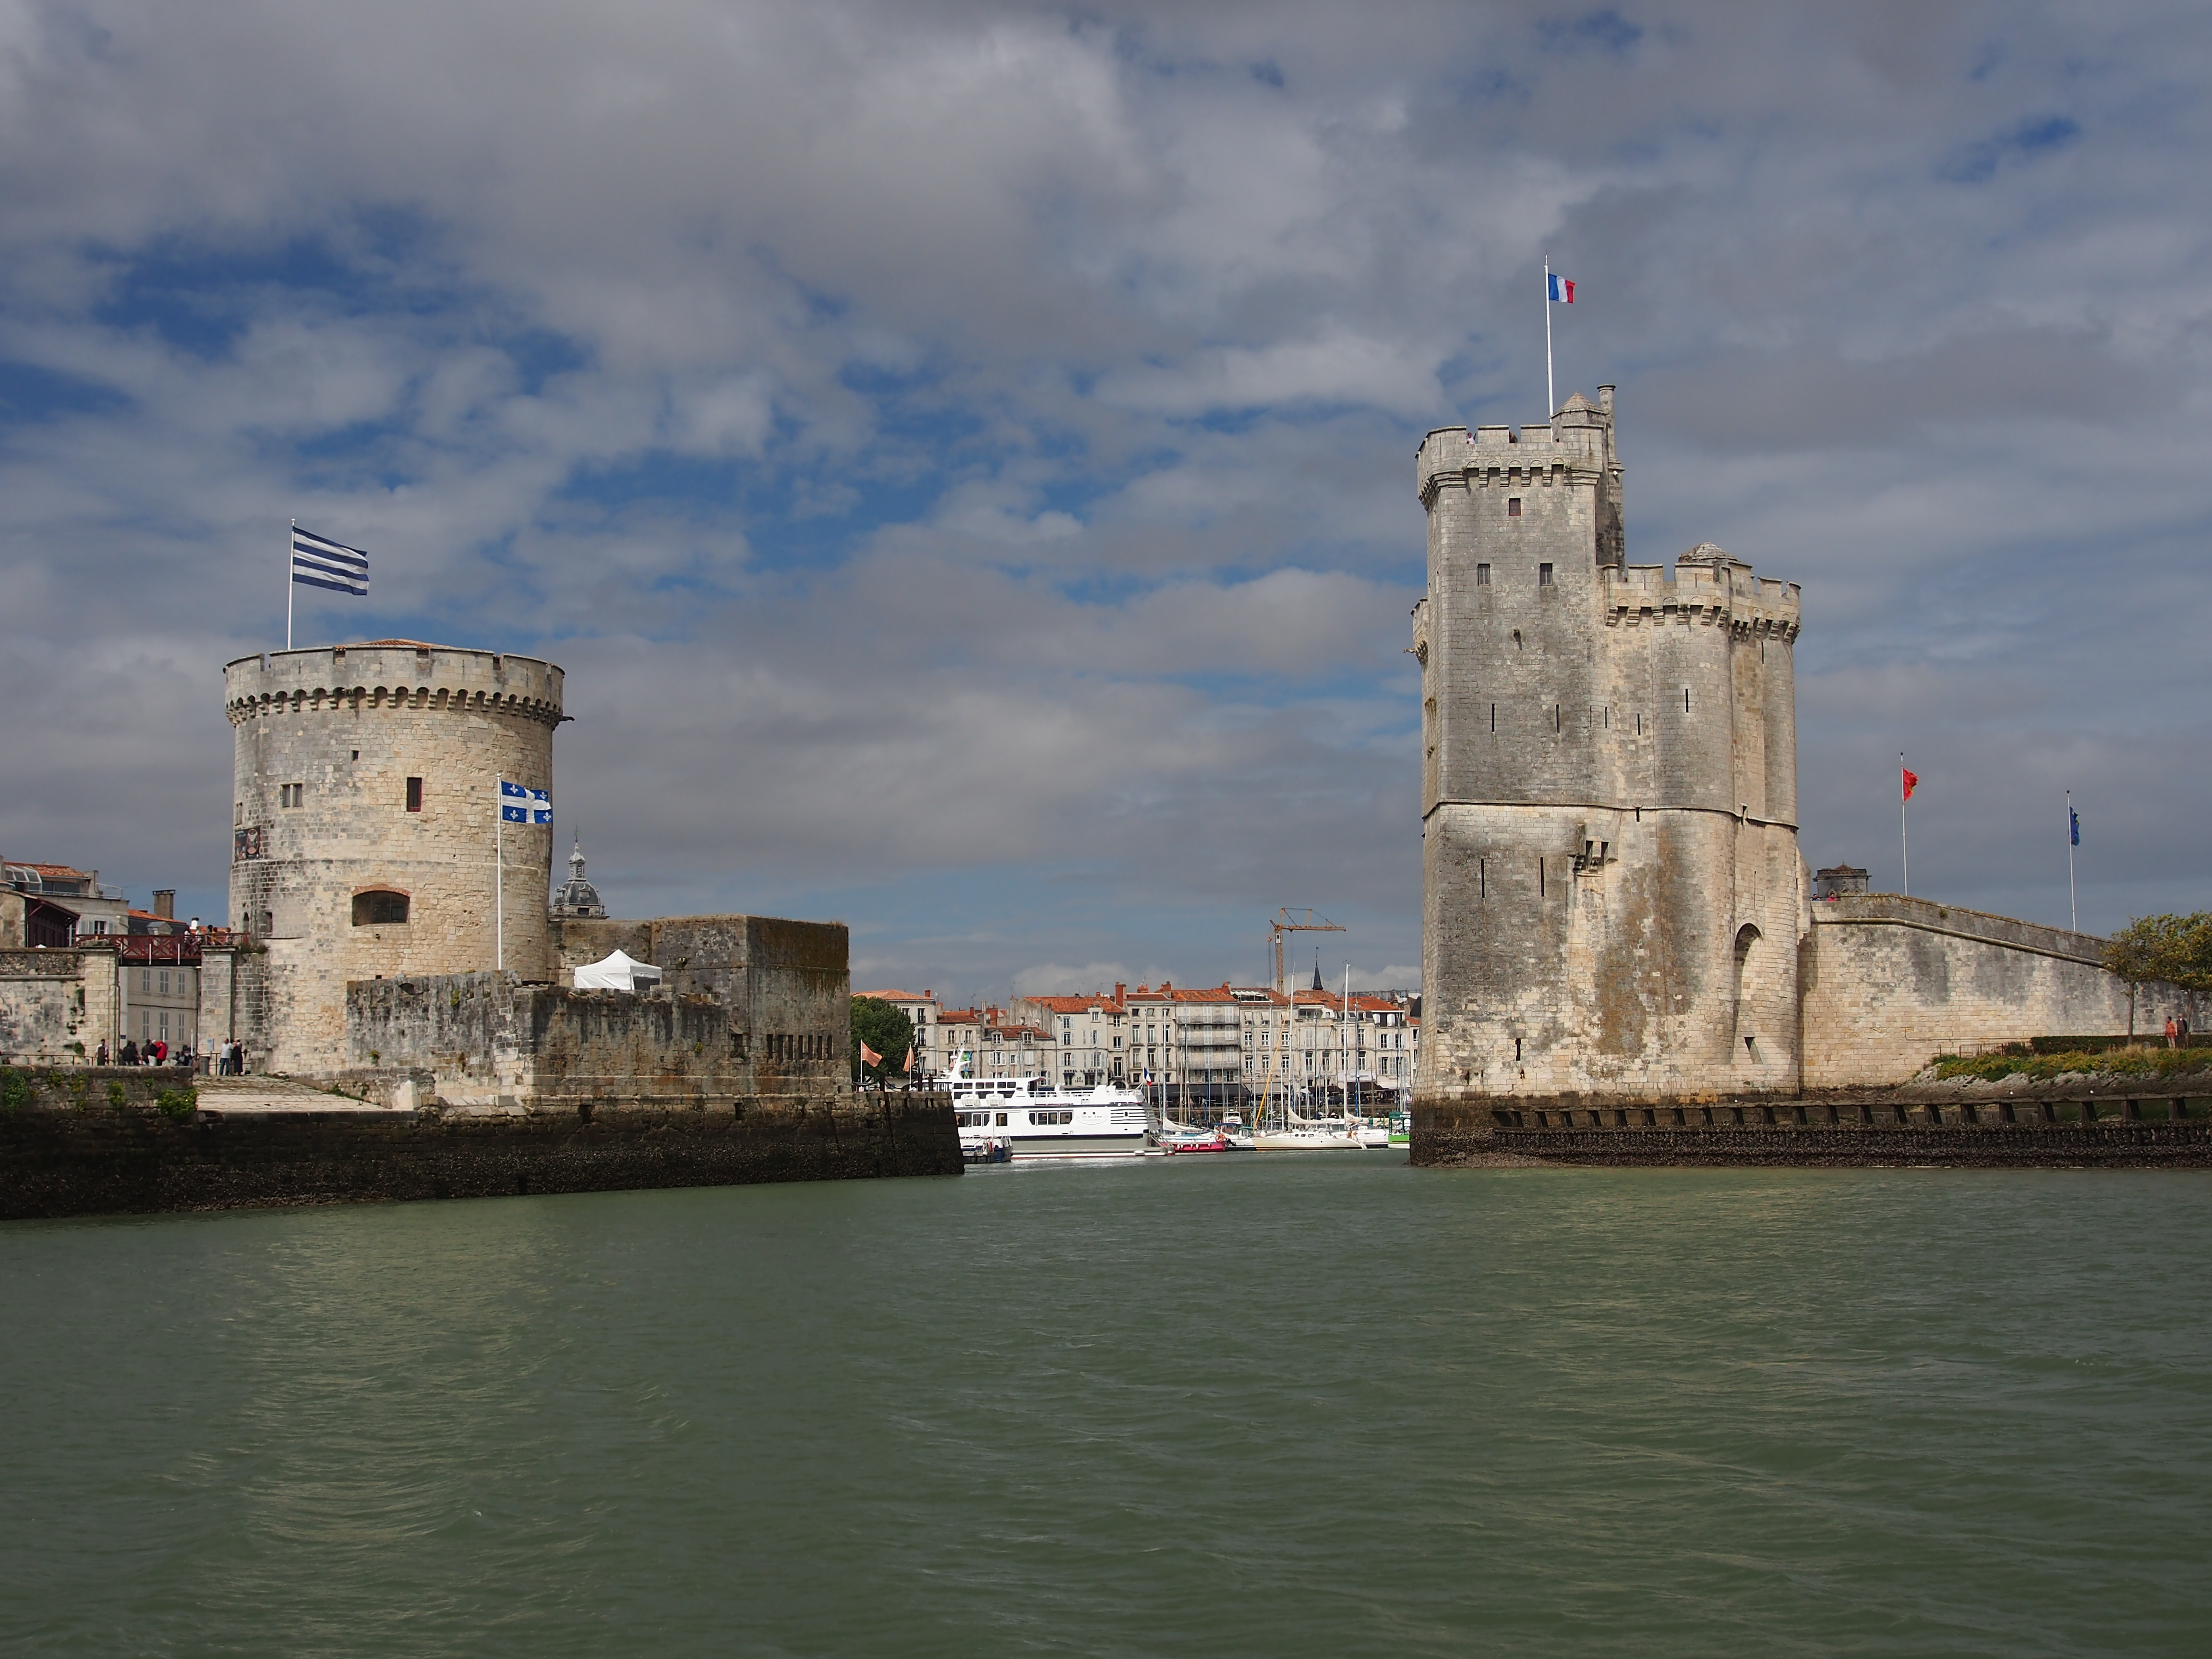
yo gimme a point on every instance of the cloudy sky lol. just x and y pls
(962, 453)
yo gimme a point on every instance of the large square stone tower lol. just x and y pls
(1612, 889)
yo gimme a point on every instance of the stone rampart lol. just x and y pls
(1888, 982)
(778, 1029)
(102, 1160)
(57, 1007)
(784, 984)
(2117, 1144)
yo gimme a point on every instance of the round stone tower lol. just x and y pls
(367, 839)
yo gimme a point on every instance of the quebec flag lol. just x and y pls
(521, 806)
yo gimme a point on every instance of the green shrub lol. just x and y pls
(2041, 1068)
(14, 1089)
(118, 1095)
(178, 1103)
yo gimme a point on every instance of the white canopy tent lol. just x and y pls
(619, 972)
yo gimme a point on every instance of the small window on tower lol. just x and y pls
(1482, 576)
(291, 794)
(1512, 506)
(414, 794)
(1543, 575)
(378, 909)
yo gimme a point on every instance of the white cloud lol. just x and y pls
(960, 449)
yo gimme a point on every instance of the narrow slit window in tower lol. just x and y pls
(1512, 506)
(1539, 876)
(414, 794)
(1556, 725)
(1686, 700)
(1482, 878)
(1516, 1049)
(1482, 576)
(1543, 575)
(1493, 717)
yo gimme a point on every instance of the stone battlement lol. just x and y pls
(1575, 448)
(1707, 593)
(393, 675)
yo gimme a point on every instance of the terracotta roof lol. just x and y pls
(1075, 1005)
(47, 869)
(412, 644)
(961, 1017)
(892, 996)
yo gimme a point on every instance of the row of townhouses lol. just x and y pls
(154, 959)
(1231, 1041)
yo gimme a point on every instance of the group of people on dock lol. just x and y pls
(229, 1057)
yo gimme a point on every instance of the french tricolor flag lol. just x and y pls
(1562, 290)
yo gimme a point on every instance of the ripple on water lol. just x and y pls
(1299, 1405)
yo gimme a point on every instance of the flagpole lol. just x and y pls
(1550, 396)
(290, 536)
(2072, 910)
(1904, 849)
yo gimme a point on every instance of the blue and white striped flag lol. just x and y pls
(521, 806)
(319, 561)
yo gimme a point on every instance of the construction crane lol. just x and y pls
(1287, 921)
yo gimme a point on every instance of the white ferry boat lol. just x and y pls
(1018, 1120)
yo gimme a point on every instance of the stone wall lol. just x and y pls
(2067, 1145)
(57, 1160)
(785, 983)
(488, 1039)
(52, 1000)
(751, 1006)
(1889, 982)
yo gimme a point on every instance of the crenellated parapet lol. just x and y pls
(1705, 587)
(1572, 450)
(393, 675)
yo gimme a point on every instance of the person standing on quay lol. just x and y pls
(2169, 1030)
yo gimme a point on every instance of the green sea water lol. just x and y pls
(1262, 1404)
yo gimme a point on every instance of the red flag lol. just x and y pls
(1911, 782)
(869, 1056)
(909, 1066)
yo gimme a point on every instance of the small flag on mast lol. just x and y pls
(2073, 827)
(1562, 291)
(520, 805)
(319, 561)
(1912, 781)
(869, 1056)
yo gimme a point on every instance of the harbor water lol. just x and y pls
(1316, 1404)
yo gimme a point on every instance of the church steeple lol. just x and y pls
(1317, 985)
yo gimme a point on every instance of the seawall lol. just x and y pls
(97, 1159)
(2139, 1124)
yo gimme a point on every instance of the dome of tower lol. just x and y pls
(576, 896)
